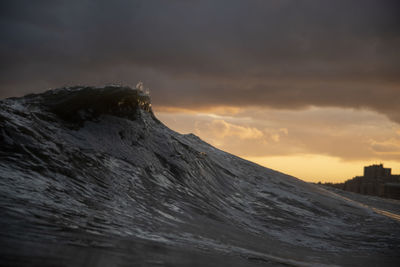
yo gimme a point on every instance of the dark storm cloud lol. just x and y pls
(283, 54)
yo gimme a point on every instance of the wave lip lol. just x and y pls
(74, 103)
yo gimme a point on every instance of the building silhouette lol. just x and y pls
(375, 171)
(376, 181)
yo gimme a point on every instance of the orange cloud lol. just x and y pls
(222, 129)
(218, 110)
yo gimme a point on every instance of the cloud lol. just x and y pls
(344, 134)
(199, 54)
(387, 147)
(221, 129)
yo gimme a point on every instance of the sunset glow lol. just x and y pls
(313, 144)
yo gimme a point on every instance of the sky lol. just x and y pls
(307, 87)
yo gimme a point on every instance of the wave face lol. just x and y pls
(90, 177)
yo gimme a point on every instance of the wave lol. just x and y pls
(91, 172)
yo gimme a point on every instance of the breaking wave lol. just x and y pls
(89, 176)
